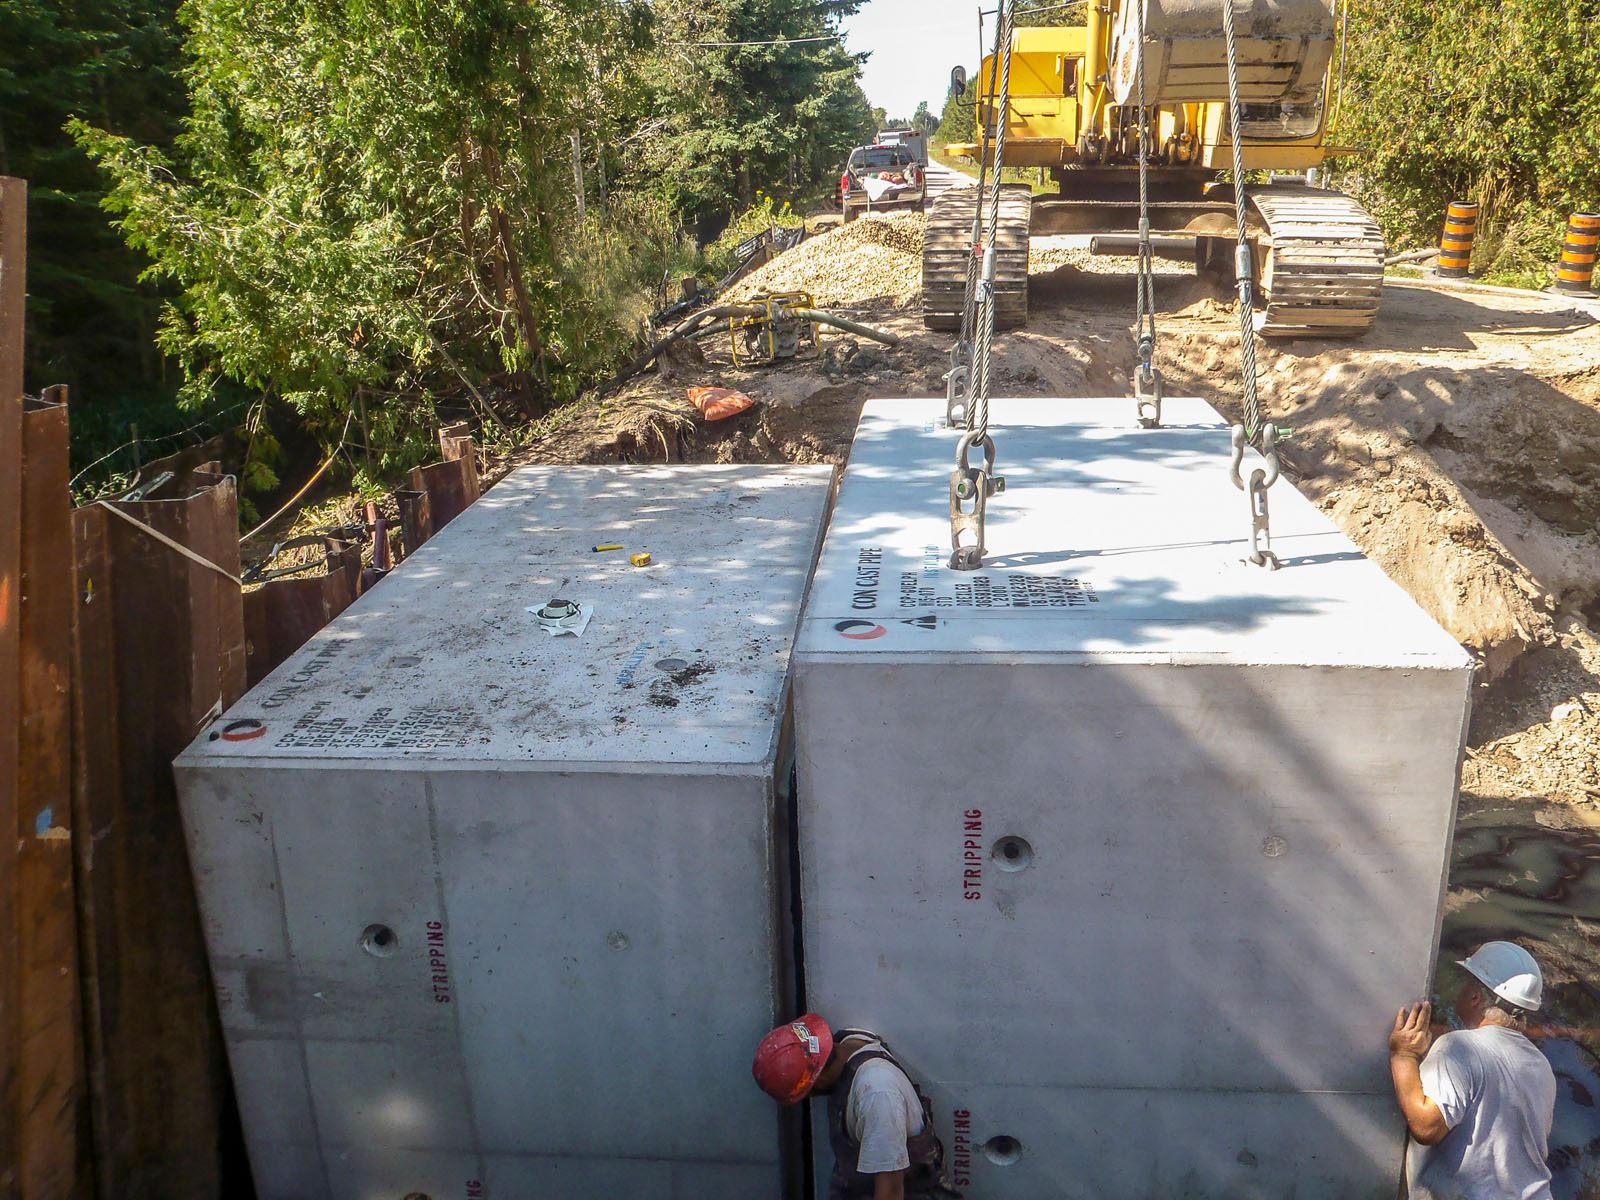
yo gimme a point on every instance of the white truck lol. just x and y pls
(915, 140)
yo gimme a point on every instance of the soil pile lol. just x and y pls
(878, 256)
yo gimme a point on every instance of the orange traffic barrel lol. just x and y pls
(1576, 272)
(1455, 246)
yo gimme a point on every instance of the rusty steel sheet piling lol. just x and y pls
(452, 487)
(176, 632)
(50, 1069)
(13, 288)
(96, 787)
(281, 615)
(416, 520)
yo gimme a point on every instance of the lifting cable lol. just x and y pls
(1147, 385)
(1252, 431)
(958, 382)
(969, 485)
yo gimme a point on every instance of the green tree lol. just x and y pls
(1456, 100)
(959, 120)
(376, 196)
(113, 62)
(923, 119)
(753, 94)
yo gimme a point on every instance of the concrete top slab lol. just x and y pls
(682, 662)
(1111, 543)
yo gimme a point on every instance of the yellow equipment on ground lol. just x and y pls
(771, 328)
(1074, 110)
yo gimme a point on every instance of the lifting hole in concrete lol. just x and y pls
(379, 941)
(672, 665)
(418, 1196)
(1002, 1150)
(1012, 853)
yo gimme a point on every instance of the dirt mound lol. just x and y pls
(876, 257)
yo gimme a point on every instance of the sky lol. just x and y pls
(914, 44)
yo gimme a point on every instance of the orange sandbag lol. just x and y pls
(718, 404)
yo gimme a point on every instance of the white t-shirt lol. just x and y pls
(1498, 1095)
(881, 1113)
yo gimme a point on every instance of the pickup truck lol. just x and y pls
(877, 178)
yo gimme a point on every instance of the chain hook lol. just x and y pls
(1148, 390)
(972, 486)
(1261, 478)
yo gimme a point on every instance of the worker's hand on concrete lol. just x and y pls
(1411, 1035)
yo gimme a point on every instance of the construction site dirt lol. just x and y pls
(1458, 444)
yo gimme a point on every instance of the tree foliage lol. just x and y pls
(373, 203)
(1461, 100)
(113, 62)
(747, 101)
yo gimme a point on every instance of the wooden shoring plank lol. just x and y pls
(180, 656)
(96, 798)
(50, 1072)
(13, 293)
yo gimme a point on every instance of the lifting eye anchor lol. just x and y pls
(1148, 390)
(1261, 478)
(958, 387)
(972, 486)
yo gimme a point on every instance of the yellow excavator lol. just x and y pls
(1074, 109)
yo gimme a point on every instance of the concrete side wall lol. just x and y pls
(579, 967)
(1231, 879)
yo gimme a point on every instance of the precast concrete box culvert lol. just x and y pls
(1131, 849)
(496, 892)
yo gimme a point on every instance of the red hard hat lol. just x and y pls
(791, 1057)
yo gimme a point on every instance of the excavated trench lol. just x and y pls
(1458, 444)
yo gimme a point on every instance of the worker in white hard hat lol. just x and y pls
(1479, 1100)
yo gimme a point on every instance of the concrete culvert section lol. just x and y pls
(498, 911)
(1121, 833)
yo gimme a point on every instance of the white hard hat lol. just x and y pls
(1508, 971)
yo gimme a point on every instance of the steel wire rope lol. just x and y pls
(969, 301)
(1243, 266)
(978, 410)
(1145, 302)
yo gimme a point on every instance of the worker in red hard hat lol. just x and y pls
(1480, 1100)
(879, 1124)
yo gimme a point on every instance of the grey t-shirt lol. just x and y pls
(1498, 1095)
(881, 1113)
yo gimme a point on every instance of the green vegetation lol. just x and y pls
(1459, 100)
(370, 207)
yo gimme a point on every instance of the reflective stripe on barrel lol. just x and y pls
(1455, 246)
(1576, 272)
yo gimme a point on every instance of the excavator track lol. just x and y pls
(947, 248)
(1322, 272)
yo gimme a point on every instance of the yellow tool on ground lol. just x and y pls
(774, 330)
